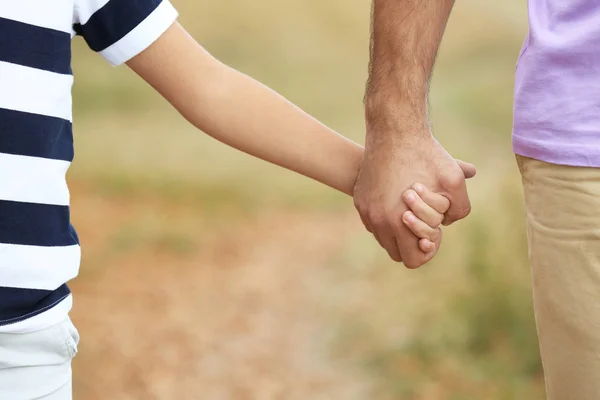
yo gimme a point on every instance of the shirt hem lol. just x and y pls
(142, 36)
(560, 153)
(43, 320)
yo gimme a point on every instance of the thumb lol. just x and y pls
(468, 169)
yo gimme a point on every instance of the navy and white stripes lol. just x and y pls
(120, 29)
(35, 47)
(39, 249)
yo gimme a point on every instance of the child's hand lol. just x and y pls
(425, 215)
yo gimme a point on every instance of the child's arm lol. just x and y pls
(239, 111)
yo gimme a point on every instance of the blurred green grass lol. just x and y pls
(460, 329)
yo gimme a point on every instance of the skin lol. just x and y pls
(241, 112)
(400, 149)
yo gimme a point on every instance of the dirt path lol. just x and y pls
(189, 308)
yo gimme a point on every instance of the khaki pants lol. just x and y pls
(37, 365)
(562, 205)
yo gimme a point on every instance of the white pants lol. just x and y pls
(37, 365)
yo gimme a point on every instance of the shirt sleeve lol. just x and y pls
(121, 29)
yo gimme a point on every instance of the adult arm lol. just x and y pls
(400, 149)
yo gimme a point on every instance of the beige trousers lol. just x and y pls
(562, 205)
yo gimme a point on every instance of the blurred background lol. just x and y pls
(210, 275)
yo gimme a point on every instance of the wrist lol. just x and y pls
(349, 167)
(394, 110)
(397, 128)
(396, 138)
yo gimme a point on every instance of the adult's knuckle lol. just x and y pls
(461, 213)
(412, 261)
(467, 210)
(397, 223)
(453, 180)
(412, 264)
(379, 216)
(392, 252)
(396, 258)
(360, 205)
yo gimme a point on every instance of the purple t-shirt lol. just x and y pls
(557, 84)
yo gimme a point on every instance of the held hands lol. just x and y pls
(425, 216)
(403, 216)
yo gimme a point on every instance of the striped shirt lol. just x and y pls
(39, 249)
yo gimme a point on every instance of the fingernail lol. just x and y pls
(419, 188)
(410, 217)
(410, 196)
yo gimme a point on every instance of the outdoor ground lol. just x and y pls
(210, 275)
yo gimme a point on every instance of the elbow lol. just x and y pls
(198, 98)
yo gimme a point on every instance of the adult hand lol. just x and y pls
(391, 165)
